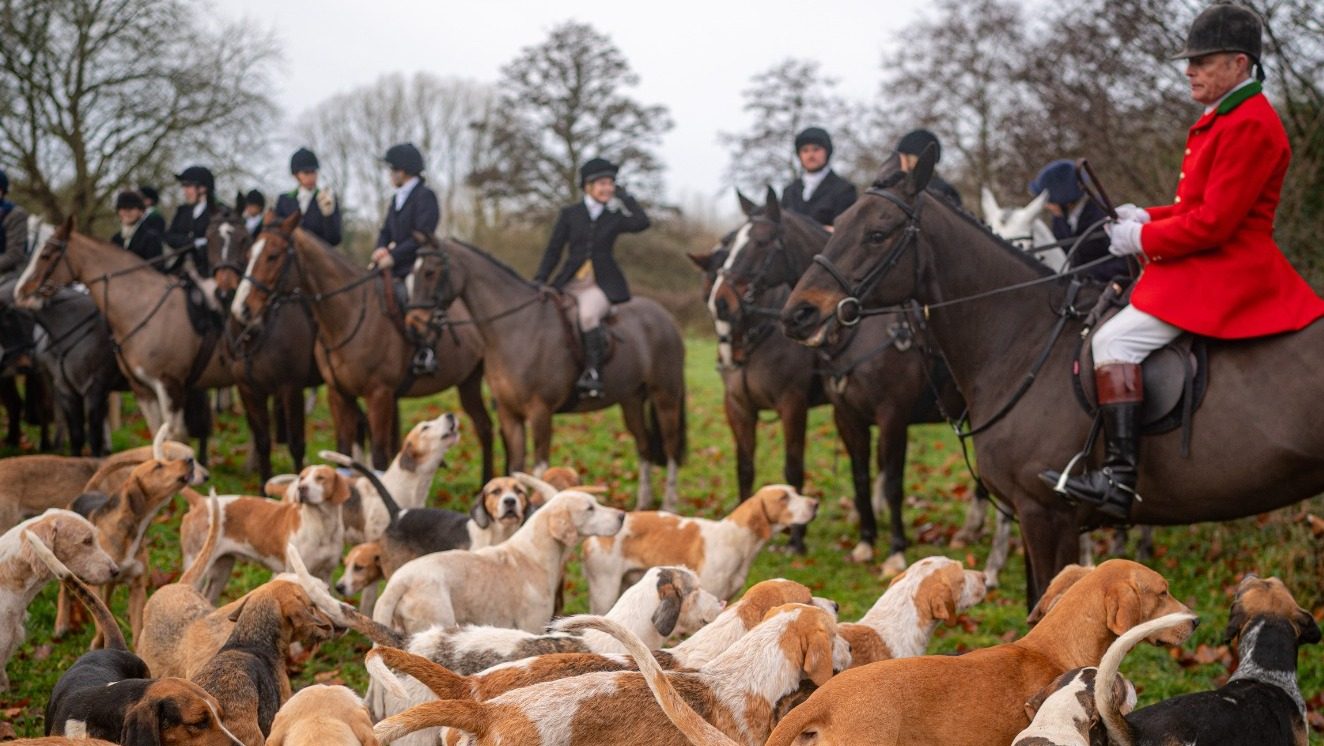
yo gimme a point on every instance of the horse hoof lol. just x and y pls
(990, 580)
(861, 554)
(894, 565)
(963, 538)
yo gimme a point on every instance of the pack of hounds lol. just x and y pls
(467, 646)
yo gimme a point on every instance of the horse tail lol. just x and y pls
(340, 459)
(657, 441)
(1105, 694)
(105, 621)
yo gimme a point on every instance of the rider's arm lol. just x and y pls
(332, 224)
(637, 220)
(427, 213)
(1247, 155)
(552, 254)
(16, 240)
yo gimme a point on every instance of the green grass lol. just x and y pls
(1202, 563)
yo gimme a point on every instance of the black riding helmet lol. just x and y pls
(129, 200)
(198, 176)
(595, 169)
(405, 157)
(1225, 28)
(304, 160)
(814, 136)
(914, 142)
(256, 199)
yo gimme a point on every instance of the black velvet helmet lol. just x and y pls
(405, 157)
(129, 200)
(198, 176)
(303, 160)
(255, 198)
(149, 192)
(914, 142)
(597, 168)
(814, 136)
(1224, 27)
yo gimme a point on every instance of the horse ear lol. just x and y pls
(919, 177)
(424, 239)
(238, 201)
(747, 205)
(67, 228)
(988, 204)
(291, 221)
(772, 209)
(1036, 205)
(702, 261)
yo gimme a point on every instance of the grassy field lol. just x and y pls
(1203, 563)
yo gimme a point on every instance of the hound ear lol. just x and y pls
(291, 222)
(562, 527)
(772, 209)
(1031, 707)
(920, 176)
(340, 492)
(938, 598)
(238, 610)
(818, 656)
(669, 602)
(479, 512)
(1123, 606)
(409, 456)
(747, 205)
(989, 205)
(1308, 628)
(142, 723)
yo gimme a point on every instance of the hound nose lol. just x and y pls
(303, 493)
(507, 502)
(799, 322)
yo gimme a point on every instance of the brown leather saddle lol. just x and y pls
(568, 311)
(1175, 377)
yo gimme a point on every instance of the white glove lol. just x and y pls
(200, 243)
(326, 201)
(1129, 211)
(1125, 237)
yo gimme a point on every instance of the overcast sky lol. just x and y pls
(693, 57)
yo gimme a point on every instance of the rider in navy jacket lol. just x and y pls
(829, 194)
(414, 207)
(320, 208)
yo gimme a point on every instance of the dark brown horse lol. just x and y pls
(270, 357)
(362, 349)
(1256, 443)
(531, 366)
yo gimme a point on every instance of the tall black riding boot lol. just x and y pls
(595, 348)
(1111, 489)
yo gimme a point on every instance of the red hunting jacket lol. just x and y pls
(1213, 267)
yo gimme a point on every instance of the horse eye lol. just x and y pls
(876, 237)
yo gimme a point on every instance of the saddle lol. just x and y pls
(1175, 376)
(567, 309)
(202, 316)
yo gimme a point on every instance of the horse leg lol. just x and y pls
(40, 406)
(976, 514)
(291, 404)
(381, 418)
(13, 403)
(344, 418)
(743, 423)
(855, 436)
(540, 426)
(471, 400)
(396, 438)
(795, 418)
(1052, 541)
(259, 425)
(97, 413)
(999, 550)
(892, 469)
(632, 410)
(1145, 544)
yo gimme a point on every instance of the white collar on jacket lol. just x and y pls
(594, 207)
(813, 180)
(403, 192)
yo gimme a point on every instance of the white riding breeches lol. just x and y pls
(1130, 336)
(593, 303)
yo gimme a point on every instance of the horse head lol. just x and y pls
(433, 284)
(228, 246)
(269, 260)
(48, 269)
(870, 258)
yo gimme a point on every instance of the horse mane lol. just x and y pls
(494, 260)
(1023, 256)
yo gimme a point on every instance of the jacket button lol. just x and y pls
(1177, 201)
(1188, 151)
(1182, 176)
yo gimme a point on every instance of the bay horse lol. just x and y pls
(361, 349)
(874, 376)
(1256, 444)
(271, 357)
(146, 311)
(531, 364)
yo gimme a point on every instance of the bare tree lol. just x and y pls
(780, 102)
(94, 93)
(351, 131)
(562, 102)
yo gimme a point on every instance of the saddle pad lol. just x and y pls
(1165, 372)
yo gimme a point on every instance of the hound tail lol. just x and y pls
(1105, 693)
(341, 613)
(698, 730)
(340, 459)
(197, 571)
(105, 621)
(545, 489)
(443, 682)
(461, 714)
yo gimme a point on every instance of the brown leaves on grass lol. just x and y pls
(1203, 655)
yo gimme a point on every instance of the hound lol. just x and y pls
(720, 551)
(901, 622)
(735, 692)
(22, 574)
(891, 701)
(1261, 704)
(322, 715)
(511, 584)
(1064, 579)
(1063, 714)
(259, 529)
(106, 689)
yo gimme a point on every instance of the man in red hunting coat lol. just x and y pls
(1211, 266)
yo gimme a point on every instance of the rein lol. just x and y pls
(443, 288)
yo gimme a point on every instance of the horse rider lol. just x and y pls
(819, 192)
(908, 150)
(324, 221)
(590, 272)
(1216, 236)
(255, 203)
(1074, 212)
(414, 207)
(13, 231)
(152, 198)
(188, 230)
(135, 233)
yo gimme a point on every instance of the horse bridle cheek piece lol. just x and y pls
(44, 287)
(850, 309)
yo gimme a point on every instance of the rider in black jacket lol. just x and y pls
(188, 230)
(136, 233)
(910, 146)
(590, 273)
(819, 193)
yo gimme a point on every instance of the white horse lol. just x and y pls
(1022, 227)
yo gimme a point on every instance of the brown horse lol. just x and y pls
(1256, 444)
(147, 315)
(271, 357)
(362, 350)
(531, 368)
